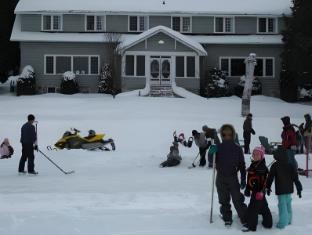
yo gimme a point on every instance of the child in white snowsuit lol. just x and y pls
(6, 150)
(173, 158)
(256, 181)
(285, 175)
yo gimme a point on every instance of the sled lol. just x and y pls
(73, 140)
(268, 146)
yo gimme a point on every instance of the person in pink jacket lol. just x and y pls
(6, 150)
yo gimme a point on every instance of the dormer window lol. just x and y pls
(224, 25)
(51, 22)
(95, 23)
(267, 25)
(138, 23)
(181, 24)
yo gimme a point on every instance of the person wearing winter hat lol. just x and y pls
(255, 189)
(230, 160)
(248, 130)
(173, 157)
(201, 143)
(285, 176)
(288, 134)
(210, 134)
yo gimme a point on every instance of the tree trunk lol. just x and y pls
(250, 62)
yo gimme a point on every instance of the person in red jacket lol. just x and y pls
(288, 135)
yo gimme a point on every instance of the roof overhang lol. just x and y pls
(185, 40)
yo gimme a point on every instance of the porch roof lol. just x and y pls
(187, 41)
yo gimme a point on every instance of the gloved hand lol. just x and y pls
(299, 194)
(268, 191)
(247, 193)
(213, 149)
(36, 147)
(243, 184)
(253, 131)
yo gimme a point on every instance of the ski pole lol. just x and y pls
(213, 182)
(193, 163)
(65, 172)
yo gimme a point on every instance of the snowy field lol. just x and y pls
(125, 192)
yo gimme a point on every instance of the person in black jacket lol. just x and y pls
(29, 143)
(230, 160)
(256, 181)
(285, 175)
(210, 134)
(248, 130)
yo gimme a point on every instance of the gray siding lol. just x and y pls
(33, 54)
(202, 25)
(270, 85)
(191, 84)
(245, 25)
(31, 23)
(159, 20)
(73, 23)
(133, 83)
(117, 23)
(153, 45)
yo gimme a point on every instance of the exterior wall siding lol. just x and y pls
(74, 23)
(33, 54)
(31, 23)
(202, 25)
(117, 23)
(270, 85)
(133, 83)
(245, 25)
(159, 20)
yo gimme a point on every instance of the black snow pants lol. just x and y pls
(27, 155)
(256, 208)
(169, 163)
(228, 187)
(247, 139)
(202, 153)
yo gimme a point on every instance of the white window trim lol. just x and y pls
(146, 17)
(267, 25)
(185, 66)
(135, 66)
(229, 58)
(181, 23)
(52, 30)
(72, 64)
(95, 23)
(224, 16)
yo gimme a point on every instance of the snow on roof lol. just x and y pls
(127, 39)
(249, 7)
(188, 41)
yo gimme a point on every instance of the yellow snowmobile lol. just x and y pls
(73, 140)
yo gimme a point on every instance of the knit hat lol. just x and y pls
(194, 133)
(259, 150)
(205, 128)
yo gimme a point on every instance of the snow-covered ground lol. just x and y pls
(125, 192)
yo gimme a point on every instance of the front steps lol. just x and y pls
(161, 91)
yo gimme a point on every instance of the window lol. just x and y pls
(95, 23)
(236, 67)
(224, 25)
(138, 23)
(185, 66)
(135, 65)
(80, 65)
(181, 24)
(51, 90)
(267, 25)
(51, 22)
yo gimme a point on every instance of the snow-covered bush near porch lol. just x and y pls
(25, 82)
(69, 84)
(217, 84)
(305, 93)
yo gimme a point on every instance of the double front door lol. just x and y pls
(160, 70)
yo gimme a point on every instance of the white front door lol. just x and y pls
(160, 71)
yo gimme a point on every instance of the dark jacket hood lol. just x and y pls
(280, 155)
(286, 120)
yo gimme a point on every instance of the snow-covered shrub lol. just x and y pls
(256, 87)
(69, 84)
(26, 82)
(217, 84)
(305, 93)
(105, 79)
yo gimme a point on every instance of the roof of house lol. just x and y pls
(188, 41)
(128, 39)
(236, 7)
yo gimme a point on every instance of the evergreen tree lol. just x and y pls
(297, 53)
